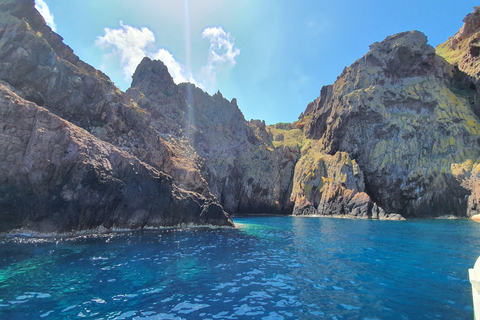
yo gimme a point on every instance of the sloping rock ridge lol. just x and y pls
(57, 177)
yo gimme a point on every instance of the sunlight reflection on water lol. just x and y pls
(266, 268)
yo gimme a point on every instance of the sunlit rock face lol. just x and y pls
(333, 185)
(400, 113)
(56, 176)
(463, 51)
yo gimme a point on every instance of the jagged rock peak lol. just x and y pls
(155, 74)
(463, 49)
(471, 24)
(405, 55)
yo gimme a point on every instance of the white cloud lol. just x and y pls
(221, 53)
(176, 70)
(42, 7)
(128, 43)
(131, 45)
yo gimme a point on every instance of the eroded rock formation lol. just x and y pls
(55, 176)
(397, 112)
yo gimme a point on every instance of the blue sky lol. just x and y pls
(274, 56)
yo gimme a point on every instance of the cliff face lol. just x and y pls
(398, 112)
(236, 158)
(396, 135)
(56, 176)
(463, 49)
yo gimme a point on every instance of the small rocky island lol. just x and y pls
(396, 136)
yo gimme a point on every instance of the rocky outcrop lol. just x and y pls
(332, 185)
(397, 113)
(57, 178)
(463, 49)
(235, 157)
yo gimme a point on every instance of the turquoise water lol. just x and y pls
(267, 268)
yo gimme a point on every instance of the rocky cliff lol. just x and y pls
(399, 113)
(463, 52)
(236, 158)
(396, 135)
(58, 177)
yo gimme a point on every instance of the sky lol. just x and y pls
(273, 56)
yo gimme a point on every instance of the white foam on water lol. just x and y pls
(99, 301)
(338, 288)
(349, 307)
(273, 316)
(167, 299)
(69, 308)
(99, 258)
(234, 289)
(46, 314)
(111, 280)
(187, 307)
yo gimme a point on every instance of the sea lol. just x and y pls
(265, 268)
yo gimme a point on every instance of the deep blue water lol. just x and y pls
(267, 268)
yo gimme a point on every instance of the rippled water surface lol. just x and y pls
(267, 268)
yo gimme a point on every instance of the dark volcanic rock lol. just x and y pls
(56, 177)
(235, 157)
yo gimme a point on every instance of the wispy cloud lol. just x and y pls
(221, 53)
(42, 7)
(131, 44)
